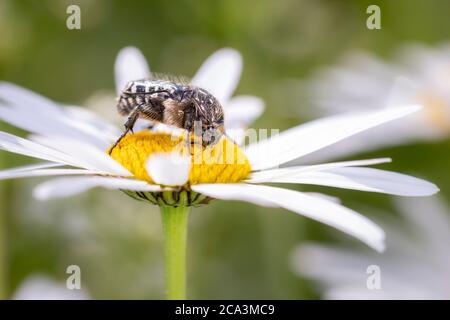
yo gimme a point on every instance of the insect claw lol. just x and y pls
(118, 140)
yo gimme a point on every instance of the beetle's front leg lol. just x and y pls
(132, 118)
(189, 125)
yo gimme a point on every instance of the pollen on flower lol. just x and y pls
(223, 162)
(436, 110)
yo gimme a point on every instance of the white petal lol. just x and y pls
(90, 157)
(51, 124)
(315, 208)
(331, 264)
(169, 169)
(84, 122)
(315, 135)
(220, 74)
(358, 292)
(42, 165)
(69, 186)
(429, 218)
(343, 273)
(55, 124)
(324, 196)
(26, 147)
(399, 132)
(130, 65)
(16, 173)
(233, 191)
(364, 179)
(86, 116)
(16, 95)
(47, 116)
(272, 175)
(40, 287)
(241, 111)
(363, 82)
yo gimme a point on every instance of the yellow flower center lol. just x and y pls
(437, 111)
(223, 162)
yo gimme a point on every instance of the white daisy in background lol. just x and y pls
(41, 287)
(149, 166)
(416, 264)
(419, 75)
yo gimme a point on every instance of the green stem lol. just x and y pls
(174, 221)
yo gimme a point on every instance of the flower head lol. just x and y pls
(223, 162)
(419, 75)
(162, 168)
(415, 266)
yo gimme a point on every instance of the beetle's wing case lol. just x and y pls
(156, 83)
(149, 86)
(135, 86)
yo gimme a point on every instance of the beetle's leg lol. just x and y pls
(189, 117)
(132, 118)
(151, 110)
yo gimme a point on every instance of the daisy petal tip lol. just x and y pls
(169, 169)
(408, 109)
(128, 48)
(228, 63)
(379, 246)
(422, 188)
(433, 189)
(377, 239)
(130, 65)
(416, 107)
(230, 53)
(41, 193)
(129, 52)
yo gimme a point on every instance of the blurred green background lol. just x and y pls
(236, 250)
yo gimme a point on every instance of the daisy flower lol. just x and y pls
(416, 264)
(419, 75)
(159, 167)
